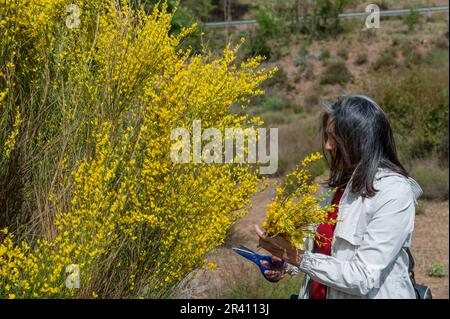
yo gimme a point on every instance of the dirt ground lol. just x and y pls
(430, 245)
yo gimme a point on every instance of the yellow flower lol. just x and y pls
(211, 266)
(116, 204)
(296, 206)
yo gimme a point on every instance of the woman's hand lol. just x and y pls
(274, 273)
(279, 247)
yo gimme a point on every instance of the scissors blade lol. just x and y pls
(247, 249)
(243, 252)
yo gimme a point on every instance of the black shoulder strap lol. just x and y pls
(411, 260)
(411, 264)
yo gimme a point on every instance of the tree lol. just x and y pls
(186, 12)
(321, 16)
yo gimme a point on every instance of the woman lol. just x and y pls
(376, 209)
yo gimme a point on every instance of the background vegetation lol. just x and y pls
(86, 115)
(403, 66)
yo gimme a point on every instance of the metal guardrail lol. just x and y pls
(347, 15)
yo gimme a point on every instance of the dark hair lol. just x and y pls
(364, 143)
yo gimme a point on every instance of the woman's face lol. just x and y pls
(330, 143)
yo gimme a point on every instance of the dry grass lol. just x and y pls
(298, 139)
(432, 177)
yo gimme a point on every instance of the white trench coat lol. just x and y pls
(367, 259)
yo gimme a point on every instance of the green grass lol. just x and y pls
(278, 81)
(324, 55)
(411, 20)
(274, 103)
(273, 109)
(386, 60)
(343, 53)
(436, 270)
(276, 117)
(361, 59)
(437, 57)
(336, 73)
(413, 58)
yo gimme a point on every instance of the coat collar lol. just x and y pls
(415, 187)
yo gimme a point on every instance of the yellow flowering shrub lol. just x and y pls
(88, 118)
(297, 208)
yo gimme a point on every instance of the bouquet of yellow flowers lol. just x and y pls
(296, 206)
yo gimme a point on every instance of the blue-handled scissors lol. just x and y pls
(257, 259)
